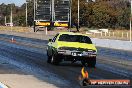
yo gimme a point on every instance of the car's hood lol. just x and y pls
(76, 45)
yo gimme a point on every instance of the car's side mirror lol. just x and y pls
(50, 40)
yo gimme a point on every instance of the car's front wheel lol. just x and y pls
(55, 60)
(48, 59)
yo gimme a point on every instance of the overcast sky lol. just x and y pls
(17, 2)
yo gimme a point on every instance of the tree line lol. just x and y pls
(99, 14)
(18, 14)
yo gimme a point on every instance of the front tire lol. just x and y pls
(48, 59)
(55, 60)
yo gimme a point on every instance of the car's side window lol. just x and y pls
(54, 39)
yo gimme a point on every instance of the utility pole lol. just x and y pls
(26, 13)
(131, 23)
(11, 24)
(52, 10)
(70, 12)
(5, 20)
(34, 8)
(34, 13)
(27, 1)
(78, 15)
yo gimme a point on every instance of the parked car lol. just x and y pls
(69, 46)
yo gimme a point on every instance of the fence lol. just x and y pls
(118, 35)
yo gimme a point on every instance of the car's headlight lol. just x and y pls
(60, 48)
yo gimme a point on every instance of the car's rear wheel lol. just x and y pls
(91, 62)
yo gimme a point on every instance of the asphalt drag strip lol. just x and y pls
(30, 56)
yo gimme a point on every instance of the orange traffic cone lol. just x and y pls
(13, 40)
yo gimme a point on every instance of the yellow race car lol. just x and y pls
(69, 46)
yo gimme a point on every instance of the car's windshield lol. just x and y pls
(75, 38)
